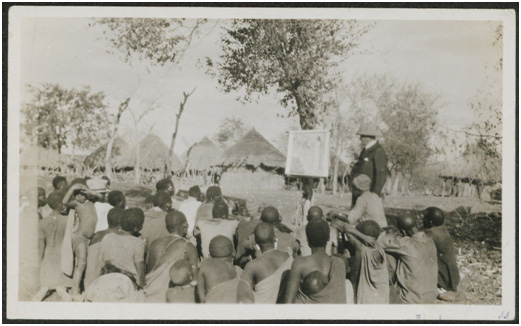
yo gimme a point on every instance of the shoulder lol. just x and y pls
(156, 244)
(97, 237)
(299, 263)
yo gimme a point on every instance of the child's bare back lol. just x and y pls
(87, 219)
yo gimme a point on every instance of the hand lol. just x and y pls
(338, 224)
(330, 216)
(368, 241)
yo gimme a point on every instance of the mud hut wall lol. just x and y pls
(239, 179)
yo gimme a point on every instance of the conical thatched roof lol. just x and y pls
(153, 153)
(119, 155)
(201, 155)
(252, 149)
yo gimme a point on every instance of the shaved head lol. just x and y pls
(175, 221)
(270, 215)
(314, 282)
(181, 272)
(433, 216)
(315, 212)
(264, 234)
(407, 224)
(370, 228)
(221, 247)
(54, 200)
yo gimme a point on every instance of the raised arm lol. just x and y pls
(94, 193)
(245, 287)
(393, 244)
(67, 198)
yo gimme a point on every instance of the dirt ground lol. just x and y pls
(474, 225)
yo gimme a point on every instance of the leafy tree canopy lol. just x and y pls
(155, 40)
(58, 117)
(294, 58)
(230, 131)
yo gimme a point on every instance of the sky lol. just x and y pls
(448, 58)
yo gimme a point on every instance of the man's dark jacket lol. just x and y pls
(372, 162)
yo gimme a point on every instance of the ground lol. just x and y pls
(474, 225)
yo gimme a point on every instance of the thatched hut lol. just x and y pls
(252, 163)
(200, 156)
(464, 177)
(153, 153)
(119, 156)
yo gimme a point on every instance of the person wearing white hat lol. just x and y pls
(371, 162)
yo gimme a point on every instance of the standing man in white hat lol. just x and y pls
(372, 161)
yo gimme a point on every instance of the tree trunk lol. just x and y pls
(335, 175)
(396, 182)
(174, 135)
(137, 168)
(108, 163)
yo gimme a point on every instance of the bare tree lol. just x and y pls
(174, 135)
(108, 162)
(137, 117)
(157, 42)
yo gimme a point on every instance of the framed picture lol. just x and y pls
(308, 153)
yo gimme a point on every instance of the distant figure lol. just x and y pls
(371, 283)
(416, 264)
(204, 212)
(371, 162)
(285, 239)
(305, 203)
(245, 229)
(164, 252)
(181, 278)
(190, 206)
(154, 226)
(300, 234)
(94, 263)
(219, 225)
(52, 231)
(218, 277)
(261, 280)
(448, 273)
(76, 238)
(123, 249)
(317, 231)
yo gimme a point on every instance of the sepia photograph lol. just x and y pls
(171, 163)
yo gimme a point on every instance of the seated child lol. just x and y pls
(448, 273)
(182, 290)
(371, 282)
